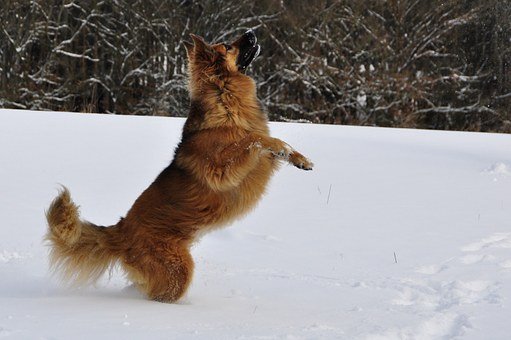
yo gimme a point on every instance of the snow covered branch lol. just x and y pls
(407, 63)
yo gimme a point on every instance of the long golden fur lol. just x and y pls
(219, 171)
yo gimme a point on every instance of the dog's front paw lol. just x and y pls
(300, 161)
(307, 166)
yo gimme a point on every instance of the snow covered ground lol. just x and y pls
(396, 234)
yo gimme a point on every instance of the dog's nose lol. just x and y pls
(252, 39)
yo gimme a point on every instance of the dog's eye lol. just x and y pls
(227, 47)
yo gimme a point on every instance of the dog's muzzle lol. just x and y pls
(248, 49)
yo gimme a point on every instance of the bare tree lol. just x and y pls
(406, 63)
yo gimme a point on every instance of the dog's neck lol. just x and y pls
(231, 101)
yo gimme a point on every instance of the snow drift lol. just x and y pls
(396, 234)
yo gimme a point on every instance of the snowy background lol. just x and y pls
(396, 234)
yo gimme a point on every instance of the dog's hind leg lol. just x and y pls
(162, 273)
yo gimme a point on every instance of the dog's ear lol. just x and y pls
(198, 42)
(189, 48)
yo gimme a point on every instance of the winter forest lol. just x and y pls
(397, 63)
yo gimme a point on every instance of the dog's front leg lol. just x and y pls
(281, 150)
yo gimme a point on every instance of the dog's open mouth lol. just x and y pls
(248, 50)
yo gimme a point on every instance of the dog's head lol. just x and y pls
(222, 59)
(221, 94)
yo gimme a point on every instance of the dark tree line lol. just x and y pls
(404, 63)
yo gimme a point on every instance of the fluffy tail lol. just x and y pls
(80, 251)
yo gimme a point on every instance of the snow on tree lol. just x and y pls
(407, 63)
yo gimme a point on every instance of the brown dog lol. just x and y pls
(220, 170)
